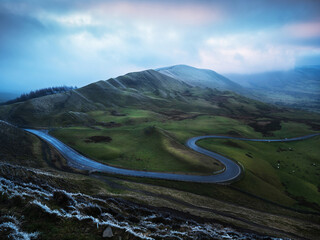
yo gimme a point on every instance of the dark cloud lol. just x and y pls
(17, 33)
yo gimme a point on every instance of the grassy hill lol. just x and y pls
(149, 90)
(162, 149)
(201, 77)
(142, 120)
(23, 149)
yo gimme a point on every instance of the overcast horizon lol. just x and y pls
(74, 43)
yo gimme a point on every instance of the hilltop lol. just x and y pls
(201, 77)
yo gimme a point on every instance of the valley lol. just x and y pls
(159, 120)
(140, 122)
(267, 180)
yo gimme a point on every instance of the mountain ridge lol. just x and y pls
(147, 89)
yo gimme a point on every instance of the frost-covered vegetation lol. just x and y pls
(43, 204)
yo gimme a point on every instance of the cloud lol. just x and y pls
(303, 29)
(154, 11)
(69, 20)
(250, 53)
(75, 42)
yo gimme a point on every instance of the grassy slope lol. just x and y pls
(161, 150)
(132, 148)
(18, 147)
(276, 171)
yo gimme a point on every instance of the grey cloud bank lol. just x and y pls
(46, 43)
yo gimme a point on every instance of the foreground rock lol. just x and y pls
(107, 233)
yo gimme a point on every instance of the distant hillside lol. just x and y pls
(202, 78)
(148, 89)
(299, 87)
(6, 96)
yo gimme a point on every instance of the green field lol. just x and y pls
(285, 173)
(275, 171)
(141, 143)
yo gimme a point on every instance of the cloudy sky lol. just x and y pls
(75, 42)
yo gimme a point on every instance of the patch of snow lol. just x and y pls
(110, 84)
(120, 83)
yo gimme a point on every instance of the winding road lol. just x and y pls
(231, 172)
